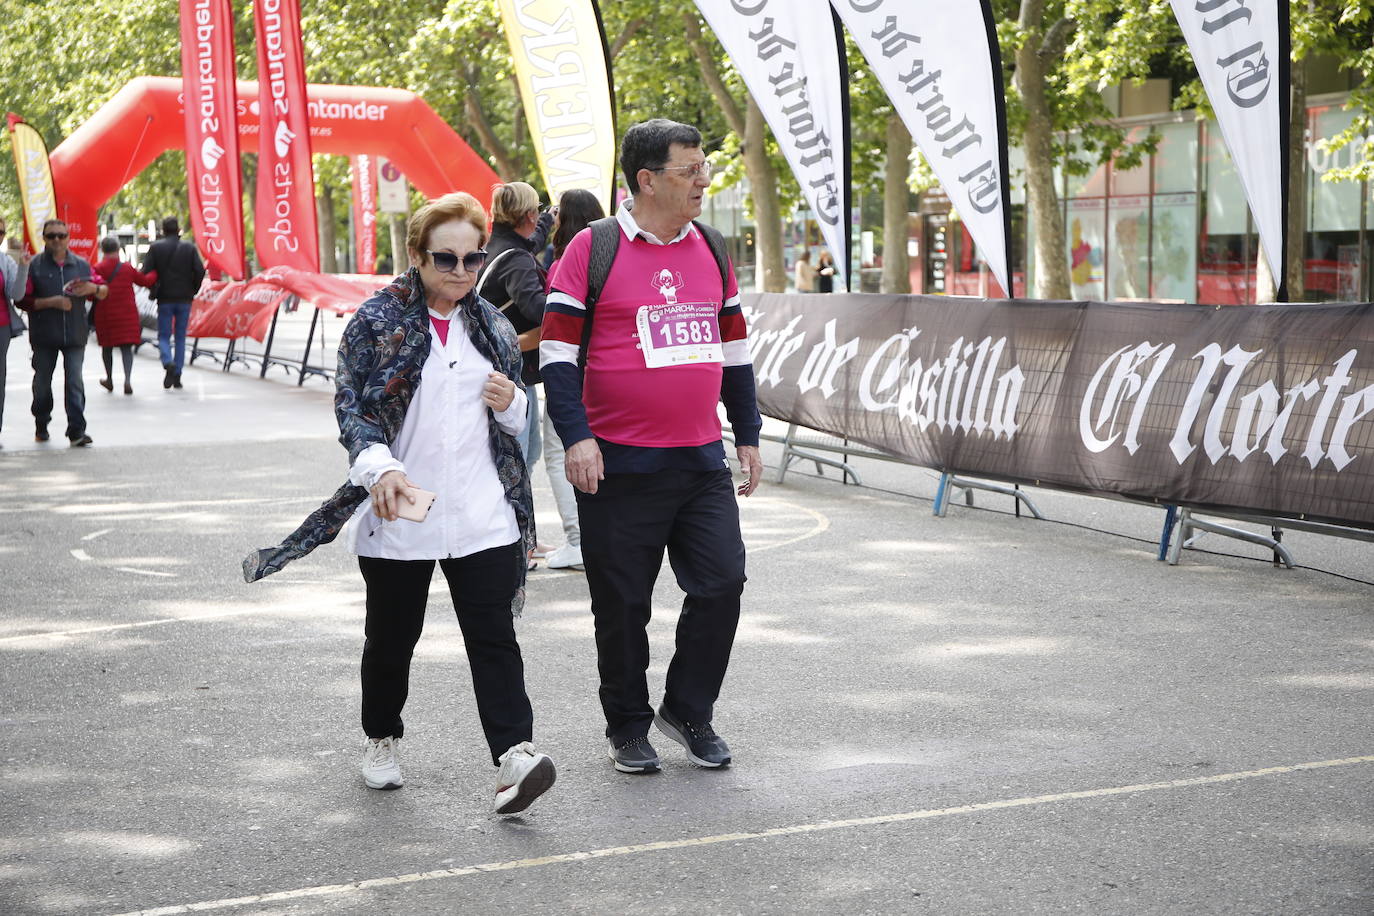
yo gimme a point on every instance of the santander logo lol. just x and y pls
(282, 139)
(210, 153)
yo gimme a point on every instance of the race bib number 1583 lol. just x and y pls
(679, 333)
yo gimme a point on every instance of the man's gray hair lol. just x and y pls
(648, 145)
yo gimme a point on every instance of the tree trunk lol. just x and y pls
(1051, 257)
(324, 211)
(1297, 185)
(770, 273)
(896, 196)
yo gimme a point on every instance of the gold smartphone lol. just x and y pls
(415, 511)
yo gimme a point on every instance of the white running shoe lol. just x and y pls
(525, 775)
(569, 556)
(382, 763)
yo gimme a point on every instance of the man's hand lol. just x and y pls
(52, 302)
(388, 492)
(583, 465)
(498, 392)
(84, 289)
(751, 464)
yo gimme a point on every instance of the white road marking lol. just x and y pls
(65, 634)
(822, 524)
(614, 851)
(80, 554)
(146, 572)
(95, 534)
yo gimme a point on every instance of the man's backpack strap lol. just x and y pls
(605, 243)
(716, 242)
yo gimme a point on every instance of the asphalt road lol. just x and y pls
(975, 714)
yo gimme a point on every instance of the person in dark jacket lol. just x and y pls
(58, 288)
(179, 273)
(116, 321)
(513, 281)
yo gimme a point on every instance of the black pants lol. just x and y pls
(482, 586)
(626, 525)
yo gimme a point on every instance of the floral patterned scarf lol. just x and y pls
(382, 353)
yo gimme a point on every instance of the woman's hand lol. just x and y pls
(388, 492)
(498, 392)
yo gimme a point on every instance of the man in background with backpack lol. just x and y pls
(179, 273)
(643, 337)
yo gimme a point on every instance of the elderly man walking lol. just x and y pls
(643, 337)
(58, 288)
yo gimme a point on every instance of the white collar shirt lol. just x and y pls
(633, 230)
(442, 447)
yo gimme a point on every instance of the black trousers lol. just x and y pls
(626, 525)
(482, 586)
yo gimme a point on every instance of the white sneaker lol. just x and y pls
(525, 775)
(569, 556)
(382, 763)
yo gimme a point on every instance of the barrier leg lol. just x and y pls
(1170, 513)
(941, 496)
(267, 353)
(309, 344)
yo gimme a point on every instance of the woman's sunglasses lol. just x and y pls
(447, 261)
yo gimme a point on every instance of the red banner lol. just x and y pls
(364, 170)
(285, 233)
(244, 308)
(212, 140)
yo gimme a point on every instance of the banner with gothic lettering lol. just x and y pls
(791, 56)
(563, 70)
(1267, 409)
(945, 83)
(1242, 50)
(285, 231)
(214, 182)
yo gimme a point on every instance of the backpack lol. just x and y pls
(606, 235)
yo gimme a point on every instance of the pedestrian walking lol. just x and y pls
(117, 323)
(454, 435)
(825, 273)
(58, 290)
(577, 209)
(179, 275)
(804, 274)
(14, 280)
(635, 405)
(514, 282)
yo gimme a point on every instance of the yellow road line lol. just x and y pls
(616, 851)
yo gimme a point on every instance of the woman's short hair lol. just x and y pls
(513, 201)
(109, 245)
(648, 145)
(459, 205)
(577, 208)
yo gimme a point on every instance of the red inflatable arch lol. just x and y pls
(144, 120)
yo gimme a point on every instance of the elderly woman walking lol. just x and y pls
(428, 398)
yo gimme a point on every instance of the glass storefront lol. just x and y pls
(1177, 226)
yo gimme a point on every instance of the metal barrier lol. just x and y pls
(1188, 522)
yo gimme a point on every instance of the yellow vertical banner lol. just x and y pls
(561, 64)
(35, 179)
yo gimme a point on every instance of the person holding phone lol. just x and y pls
(428, 396)
(59, 285)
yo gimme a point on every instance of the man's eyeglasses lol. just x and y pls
(447, 261)
(53, 236)
(702, 168)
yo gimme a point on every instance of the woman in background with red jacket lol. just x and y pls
(116, 318)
